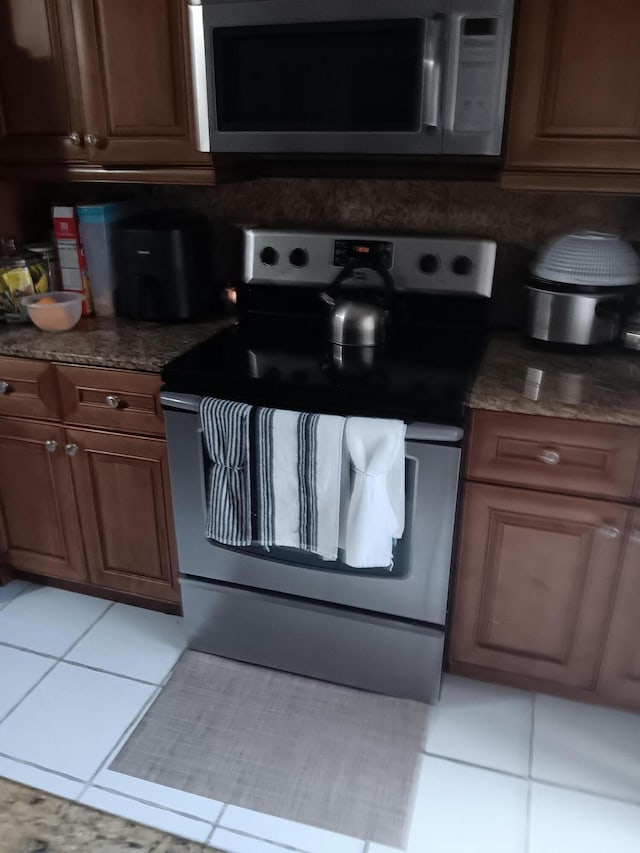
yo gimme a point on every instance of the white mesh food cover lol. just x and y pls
(589, 258)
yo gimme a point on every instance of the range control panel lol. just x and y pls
(423, 264)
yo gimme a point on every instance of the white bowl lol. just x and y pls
(55, 317)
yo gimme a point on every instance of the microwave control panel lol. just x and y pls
(478, 60)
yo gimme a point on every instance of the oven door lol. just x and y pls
(331, 76)
(414, 587)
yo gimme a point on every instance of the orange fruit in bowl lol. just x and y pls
(46, 300)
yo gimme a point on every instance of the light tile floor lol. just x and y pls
(503, 771)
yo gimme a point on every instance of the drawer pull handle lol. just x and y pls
(4, 386)
(548, 456)
(113, 401)
(51, 445)
(610, 532)
(71, 449)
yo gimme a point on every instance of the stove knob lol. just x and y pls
(429, 264)
(269, 256)
(462, 265)
(299, 257)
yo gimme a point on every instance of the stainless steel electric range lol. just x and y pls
(381, 629)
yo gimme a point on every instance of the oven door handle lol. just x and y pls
(438, 433)
(181, 402)
(415, 431)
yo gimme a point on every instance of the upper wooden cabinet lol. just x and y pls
(101, 82)
(575, 92)
(40, 111)
(136, 81)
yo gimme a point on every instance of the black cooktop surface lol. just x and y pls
(420, 373)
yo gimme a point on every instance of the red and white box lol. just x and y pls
(73, 264)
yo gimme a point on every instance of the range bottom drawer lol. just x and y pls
(333, 644)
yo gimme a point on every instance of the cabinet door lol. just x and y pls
(535, 581)
(575, 98)
(136, 81)
(39, 527)
(619, 680)
(40, 113)
(122, 484)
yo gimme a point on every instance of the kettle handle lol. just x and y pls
(329, 296)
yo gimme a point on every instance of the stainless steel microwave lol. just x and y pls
(394, 77)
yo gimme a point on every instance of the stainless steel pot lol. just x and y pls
(562, 314)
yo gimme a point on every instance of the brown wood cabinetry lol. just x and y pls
(547, 589)
(40, 110)
(96, 82)
(85, 505)
(536, 578)
(122, 483)
(619, 680)
(136, 81)
(39, 526)
(574, 116)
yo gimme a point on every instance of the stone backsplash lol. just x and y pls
(521, 222)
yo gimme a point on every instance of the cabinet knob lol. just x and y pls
(4, 386)
(75, 138)
(113, 401)
(91, 139)
(71, 449)
(51, 445)
(610, 532)
(548, 456)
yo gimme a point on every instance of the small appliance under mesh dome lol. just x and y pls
(589, 258)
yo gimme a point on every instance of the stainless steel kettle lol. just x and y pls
(357, 322)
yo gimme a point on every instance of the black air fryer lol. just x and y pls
(163, 267)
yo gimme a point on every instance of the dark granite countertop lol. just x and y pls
(106, 342)
(595, 385)
(35, 822)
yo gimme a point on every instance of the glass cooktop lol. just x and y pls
(420, 373)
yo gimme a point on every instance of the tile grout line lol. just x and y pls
(125, 734)
(532, 732)
(84, 633)
(31, 651)
(278, 844)
(28, 586)
(464, 763)
(15, 707)
(25, 763)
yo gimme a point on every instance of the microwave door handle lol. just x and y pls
(431, 74)
(199, 76)
(453, 62)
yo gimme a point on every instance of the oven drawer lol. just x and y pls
(28, 389)
(112, 399)
(554, 454)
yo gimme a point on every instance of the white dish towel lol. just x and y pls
(374, 515)
(297, 463)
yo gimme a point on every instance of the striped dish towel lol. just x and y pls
(225, 428)
(297, 462)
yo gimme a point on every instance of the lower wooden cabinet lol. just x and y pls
(535, 583)
(122, 485)
(39, 525)
(619, 680)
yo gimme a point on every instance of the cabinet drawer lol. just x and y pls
(113, 399)
(554, 454)
(30, 390)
